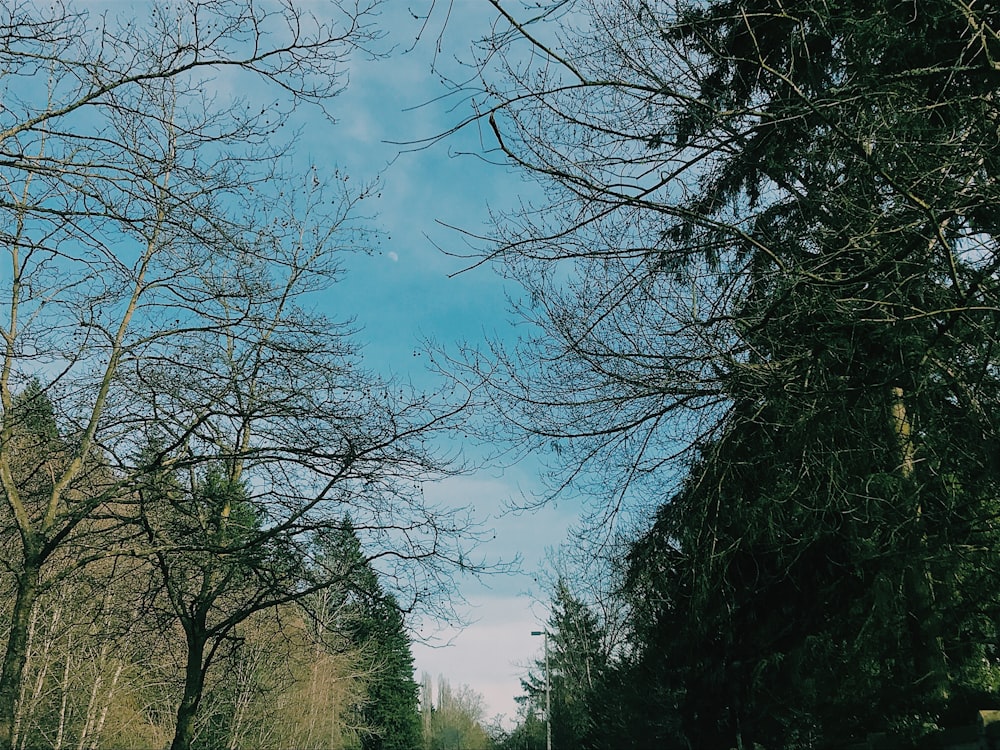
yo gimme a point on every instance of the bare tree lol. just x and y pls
(681, 234)
(162, 276)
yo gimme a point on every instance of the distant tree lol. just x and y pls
(528, 734)
(578, 659)
(457, 719)
(374, 623)
(426, 707)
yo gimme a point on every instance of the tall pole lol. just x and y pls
(548, 690)
(548, 696)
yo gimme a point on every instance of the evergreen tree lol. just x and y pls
(213, 567)
(31, 429)
(778, 237)
(821, 537)
(529, 734)
(34, 415)
(391, 711)
(577, 663)
(374, 622)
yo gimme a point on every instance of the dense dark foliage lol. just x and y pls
(372, 619)
(776, 233)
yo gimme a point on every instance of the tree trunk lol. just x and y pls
(64, 699)
(194, 684)
(25, 705)
(929, 660)
(17, 650)
(104, 709)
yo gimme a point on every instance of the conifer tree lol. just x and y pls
(577, 663)
(769, 247)
(374, 622)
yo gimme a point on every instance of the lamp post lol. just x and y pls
(548, 691)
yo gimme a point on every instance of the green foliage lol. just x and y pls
(390, 712)
(33, 414)
(815, 543)
(529, 734)
(777, 234)
(576, 670)
(374, 622)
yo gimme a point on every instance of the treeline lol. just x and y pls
(453, 718)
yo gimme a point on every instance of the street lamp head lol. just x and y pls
(538, 632)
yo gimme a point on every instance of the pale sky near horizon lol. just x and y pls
(404, 294)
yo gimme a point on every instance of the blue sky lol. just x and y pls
(408, 293)
(403, 295)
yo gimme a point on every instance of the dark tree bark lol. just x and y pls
(27, 589)
(194, 684)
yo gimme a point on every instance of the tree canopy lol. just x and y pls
(763, 284)
(172, 396)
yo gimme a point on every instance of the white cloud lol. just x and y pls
(489, 656)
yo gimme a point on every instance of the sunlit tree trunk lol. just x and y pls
(64, 697)
(98, 728)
